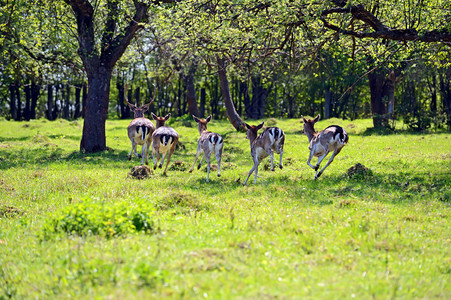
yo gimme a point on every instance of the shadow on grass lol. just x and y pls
(396, 188)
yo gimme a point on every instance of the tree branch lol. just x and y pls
(380, 31)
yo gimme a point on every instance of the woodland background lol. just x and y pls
(232, 59)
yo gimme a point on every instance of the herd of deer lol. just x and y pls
(163, 139)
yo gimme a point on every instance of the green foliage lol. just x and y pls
(89, 217)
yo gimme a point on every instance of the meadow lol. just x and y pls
(75, 225)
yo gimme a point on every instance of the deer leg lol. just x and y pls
(272, 160)
(143, 154)
(162, 160)
(309, 159)
(250, 172)
(168, 160)
(157, 153)
(147, 153)
(256, 171)
(280, 162)
(200, 163)
(331, 159)
(218, 154)
(207, 158)
(133, 149)
(195, 160)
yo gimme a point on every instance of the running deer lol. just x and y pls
(208, 143)
(140, 129)
(270, 140)
(333, 138)
(164, 140)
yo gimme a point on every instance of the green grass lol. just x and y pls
(73, 225)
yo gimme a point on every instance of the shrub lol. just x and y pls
(94, 218)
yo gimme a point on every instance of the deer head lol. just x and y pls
(252, 131)
(160, 121)
(202, 123)
(139, 111)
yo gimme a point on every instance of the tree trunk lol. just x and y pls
(26, 113)
(35, 91)
(232, 115)
(12, 102)
(122, 106)
(56, 109)
(433, 89)
(376, 82)
(259, 94)
(77, 107)
(188, 81)
(389, 91)
(137, 96)
(96, 111)
(83, 99)
(203, 97)
(19, 103)
(49, 102)
(445, 90)
(327, 102)
(65, 99)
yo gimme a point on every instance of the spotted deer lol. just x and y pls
(333, 138)
(270, 140)
(209, 142)
(164, 140)
(140, 129)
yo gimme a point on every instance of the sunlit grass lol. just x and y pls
(381, 236)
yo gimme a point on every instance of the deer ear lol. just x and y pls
(247, 126)
(195, 118)
(208, 119)
(316, 119)
(260, 126)
(167, 117)
(154, 116)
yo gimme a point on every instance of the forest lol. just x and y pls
(77, 221)
(233, 59)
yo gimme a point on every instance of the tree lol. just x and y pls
(99, 61)
(415, 22)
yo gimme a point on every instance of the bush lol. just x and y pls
(91, 218)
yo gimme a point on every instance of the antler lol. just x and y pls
(154, 95)
(125, 96)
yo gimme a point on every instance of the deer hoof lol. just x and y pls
(281, 167)
(316, 168)
(198, 167)
(219, 175)
(191, 170)
(272, 169)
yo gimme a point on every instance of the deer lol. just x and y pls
(164, 140)
(208, 143)
(264, 145)
(333, 138)
(140, 129)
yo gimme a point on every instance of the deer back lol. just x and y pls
(164, 138)
(140, 129)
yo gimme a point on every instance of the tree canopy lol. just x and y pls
(234, 59)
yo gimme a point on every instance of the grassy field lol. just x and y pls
(75, 225)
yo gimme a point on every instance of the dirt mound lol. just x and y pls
(140, 172)
(178, 165)
(359, 170)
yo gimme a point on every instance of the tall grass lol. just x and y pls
(75, 225)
